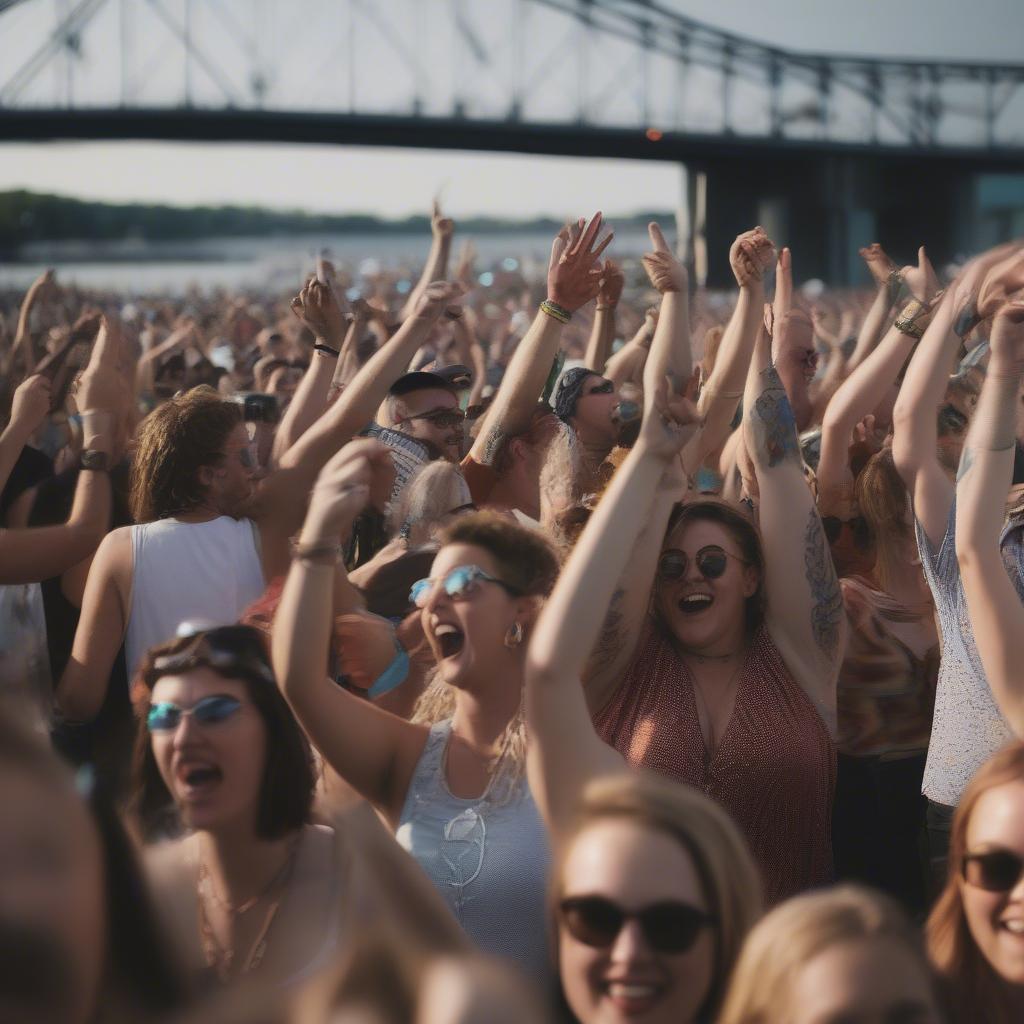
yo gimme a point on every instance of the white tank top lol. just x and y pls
(189, 571)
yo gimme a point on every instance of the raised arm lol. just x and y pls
(564, 751)
(367, 746)
(751, 257)
(317, 308)
(804, 605)
(978, 292)
(627, 365)
(649, 506)
(35, 554)
(436, 268)
(40, 287)
(859, 395)
(602, 334)
(29, 408)
(887, 288)
(986, 471)
(574, 273)
(277, 511)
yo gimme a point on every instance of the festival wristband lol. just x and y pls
(327, 350)
(555, 311)
(914, 319)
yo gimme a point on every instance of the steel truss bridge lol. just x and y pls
(629, 78)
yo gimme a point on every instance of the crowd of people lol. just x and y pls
(516, 647)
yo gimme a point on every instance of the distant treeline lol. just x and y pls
(34, 217)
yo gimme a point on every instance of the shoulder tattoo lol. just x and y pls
(826, 596)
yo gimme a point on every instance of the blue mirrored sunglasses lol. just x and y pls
(165, 716)
(458, 584)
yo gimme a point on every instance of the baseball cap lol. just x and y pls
(451, 378)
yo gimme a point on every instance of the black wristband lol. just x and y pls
(326, 349)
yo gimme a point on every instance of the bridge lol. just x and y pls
(827, 151)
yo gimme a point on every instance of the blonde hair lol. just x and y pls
(972, 985)
(797, 931)
(721, 858)
(527, 562)
(435, 490)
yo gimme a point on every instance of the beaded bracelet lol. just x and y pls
(327, 350)
(555, 311)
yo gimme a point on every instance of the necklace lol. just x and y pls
(222, 957)
(711, 741)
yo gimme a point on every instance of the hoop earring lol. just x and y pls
(514, 636)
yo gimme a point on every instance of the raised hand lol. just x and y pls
(326, 275)
(667, 274)
(879, 263)
(100, 388)
(670, 419)
(574, 272)
(440, 226)
(922, 279)
(345, 485)
(751, 256)
(317, 307)
(612, 282)
(437, 297)
(1007, 339)
(1004, 279)
(31, 404)
(464, 272)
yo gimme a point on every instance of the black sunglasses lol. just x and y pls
(443, 419)
(227, 649)
(994, 870)
(606, 387)
(668, 927)
(833, 527)
(711, 562)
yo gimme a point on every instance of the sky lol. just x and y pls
(398, 182)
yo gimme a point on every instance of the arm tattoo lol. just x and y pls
(826, 597)
(493, 444)
(773, 420)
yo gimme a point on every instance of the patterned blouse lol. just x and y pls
(886, 691)
(774, 770)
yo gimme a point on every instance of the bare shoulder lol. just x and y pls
(171, 864)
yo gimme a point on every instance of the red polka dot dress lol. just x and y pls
(774, 770)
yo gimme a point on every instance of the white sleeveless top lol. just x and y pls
(184, 571)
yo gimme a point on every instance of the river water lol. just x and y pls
(273, 262)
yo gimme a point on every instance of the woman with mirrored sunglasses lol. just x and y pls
(224, 776)
(716, 662)
(976, 931)
(450, 782)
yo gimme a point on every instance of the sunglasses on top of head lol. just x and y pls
(458, 584)
(228, 649)
(993, 870)
(711, 562)
(668, 926)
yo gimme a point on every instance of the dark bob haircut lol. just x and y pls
(743, 532)
(288, 780)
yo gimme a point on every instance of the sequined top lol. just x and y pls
(775, 767)
(968, 726)
(886, 692)
(489, 860)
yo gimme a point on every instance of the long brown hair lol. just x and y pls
(721, 858)
(883, 502)
(174, 442)
(974, 989)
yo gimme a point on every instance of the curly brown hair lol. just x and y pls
(174, 442)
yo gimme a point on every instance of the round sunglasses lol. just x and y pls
(458, 584)
(165, 716)
(993, 870)
(711, 562)
(668, 926)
